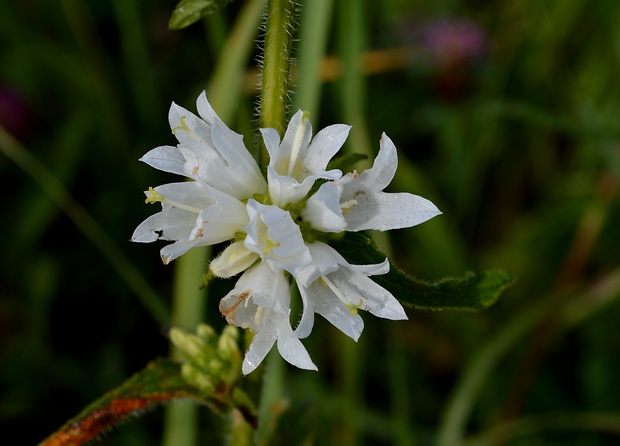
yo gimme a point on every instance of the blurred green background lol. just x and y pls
(506, 115)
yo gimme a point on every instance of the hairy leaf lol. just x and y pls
(159, 382)
(471, 292)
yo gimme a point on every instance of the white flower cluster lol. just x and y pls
(274, 224)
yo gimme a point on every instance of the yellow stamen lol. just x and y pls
(187, 130)
(183, 126)
(353, 308)
(269, 245)
(154, 197)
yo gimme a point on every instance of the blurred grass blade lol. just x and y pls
(89, 226)
(314, 30)
(456, 413)
(190, 11)
(506, 433)
(471, 292)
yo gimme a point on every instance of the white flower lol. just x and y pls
(273, 224)
(364, 204)
(208, 152)
(296, 163)
(261, 301)
(335, 289)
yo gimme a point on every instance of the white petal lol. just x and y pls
(234, 259)
(177, 249)
(165, 158)
(384, 167)
(383, 211)
(170, 224)
(285, 190)
(270, 289)
(188, 194)
(188, 127)
(293, 351)
(295, 142)
(323, 209)
(324, 146)
(205, 110)
(260, 346)
(374, 298)
(242, 171)
(213, 153)
(272, 234)
(320, 299)
(365, 206)
(258, 286)
(224, 219)
(260, 301)
(325, 260)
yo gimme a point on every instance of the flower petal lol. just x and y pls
(169, 224)
(222, 220)
(384, 211)
(187, 127)
(188, 195)
(374, 298)
(323, 210)
(285, 190)
(166, 159)
(365, 206)
(234, 259)
(318, 298)
(324, 146)
(177, 249)
(293, 351)
(293, 166)
(325, 260)
(260, 301)
(295, 142)
(260, 346)
(213, 153)
(272, 234)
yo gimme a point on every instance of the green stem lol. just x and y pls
(274, 95)
(188, 308)
(276, 66)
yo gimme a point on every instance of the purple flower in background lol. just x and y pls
(448, 51)
(451, 42)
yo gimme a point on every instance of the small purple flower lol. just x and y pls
(451, 42)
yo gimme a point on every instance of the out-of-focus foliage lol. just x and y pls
(506, 116)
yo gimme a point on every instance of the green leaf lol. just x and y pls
(159, 382)
(471, 292)
(190, 11)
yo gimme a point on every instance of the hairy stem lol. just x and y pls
(276, 65)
